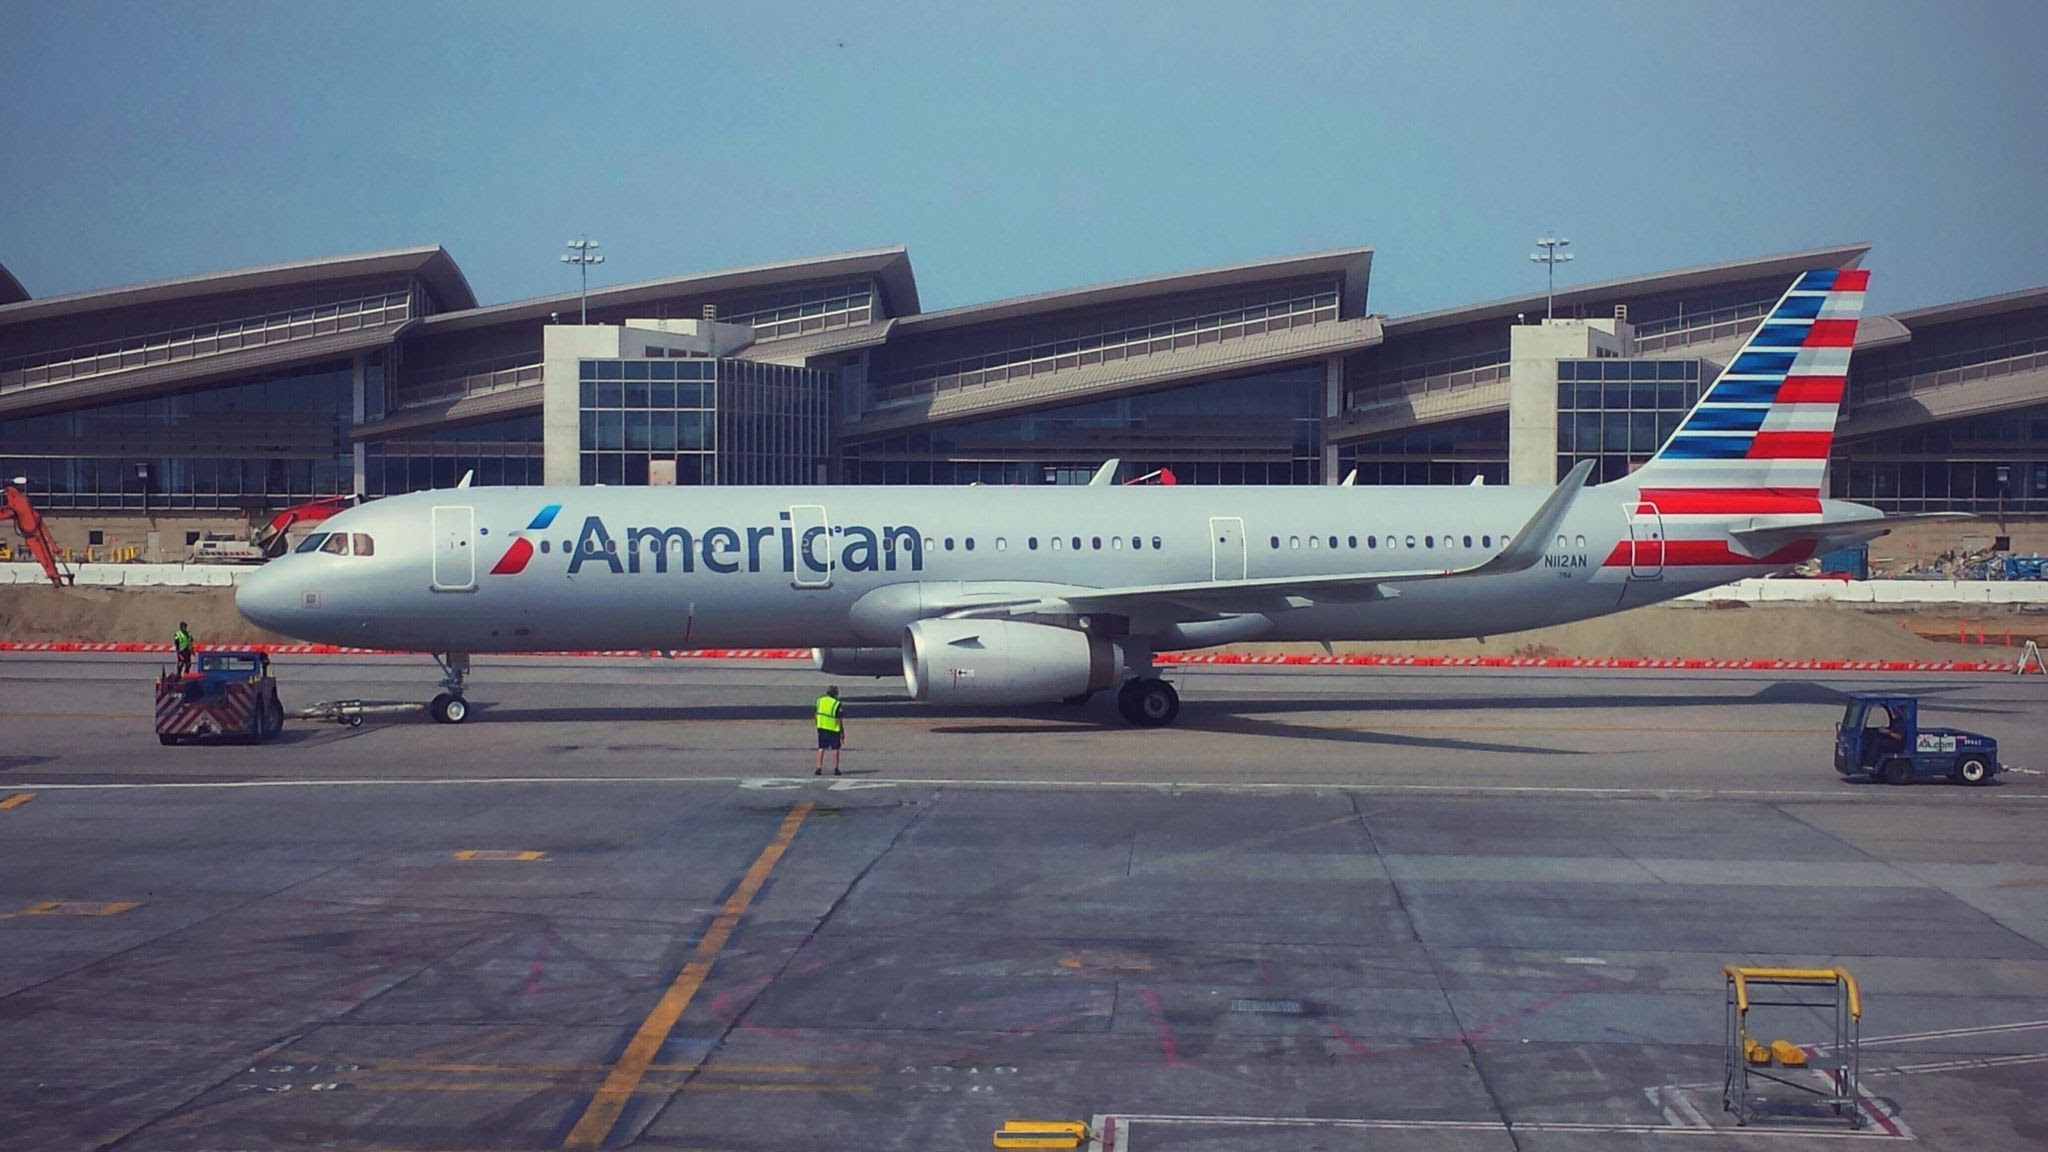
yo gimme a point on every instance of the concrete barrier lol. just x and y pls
(133, 575)
(1887, 592)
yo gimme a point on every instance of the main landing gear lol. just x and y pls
(450, 707)
(1148, 702)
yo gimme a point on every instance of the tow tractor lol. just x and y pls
(1880, 738)
(230, 695)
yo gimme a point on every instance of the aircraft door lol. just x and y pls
(811, 551)
(1226, 543)
(454, 549)
(1645, 542)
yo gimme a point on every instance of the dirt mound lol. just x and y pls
(34, 612)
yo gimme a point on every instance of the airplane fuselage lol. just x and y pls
(548, 569)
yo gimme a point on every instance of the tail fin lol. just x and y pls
(1766, 425)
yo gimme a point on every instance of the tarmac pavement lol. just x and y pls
(1329, 910)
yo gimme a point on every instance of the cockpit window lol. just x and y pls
(336, 545)
(364, 545)
(312, 543)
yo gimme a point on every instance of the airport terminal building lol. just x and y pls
(144, 414)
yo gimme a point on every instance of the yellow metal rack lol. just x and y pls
(1749, 1058)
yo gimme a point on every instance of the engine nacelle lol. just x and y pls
(1005, 662)
(858, 661)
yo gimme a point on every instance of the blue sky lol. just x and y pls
(1023, 147)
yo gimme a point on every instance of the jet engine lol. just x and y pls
(858, 661)
(1005, 662)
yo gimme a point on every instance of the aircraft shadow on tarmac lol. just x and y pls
(1261, 715)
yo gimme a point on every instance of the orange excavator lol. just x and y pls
(14, 506)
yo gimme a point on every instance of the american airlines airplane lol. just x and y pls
(1005, 596)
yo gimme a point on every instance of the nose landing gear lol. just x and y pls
(450, 707)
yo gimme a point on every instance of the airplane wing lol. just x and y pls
(1218, 597)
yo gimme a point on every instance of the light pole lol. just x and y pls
(1550, 257)
(583, 253)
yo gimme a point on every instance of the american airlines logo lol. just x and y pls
(726, 549)
(515, 558)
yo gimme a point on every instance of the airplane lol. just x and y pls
(1010, 596)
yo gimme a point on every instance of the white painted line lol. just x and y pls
(1163, 786)
(1964, 1065)
(1588, 960)
(1949, 1033)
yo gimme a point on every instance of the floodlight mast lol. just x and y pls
(583, 253)
(1550, 258)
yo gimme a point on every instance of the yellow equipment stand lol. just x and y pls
(1748, 1058)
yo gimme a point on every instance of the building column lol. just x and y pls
(357, 409)
(1333, 407)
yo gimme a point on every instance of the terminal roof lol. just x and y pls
(429, 262)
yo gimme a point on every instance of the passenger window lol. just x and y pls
(1137, 542)
(949, 543)
(1560, 542)
(1352, 541)
(1116, 543)
(1097, 541)
(1468, 541)
(931, 545)
(1315, 541)
(1002, 545)
(970, 543)
(1055, 543)
(1032, 543)
(364, 545)
(1429, 541)
(336, 545)
(1294, 542)
(1411, 541)
(1077, 543)
(1155, 542)
(312, 543)
(1581, 541)
(1333, 541)
(1276, 541)
(544, 546)
(1486, 541)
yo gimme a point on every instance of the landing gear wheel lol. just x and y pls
(1898, 770)
(1973, 770)
(166, 739)
(455, 711)
(1153, 703)
(1125, 697)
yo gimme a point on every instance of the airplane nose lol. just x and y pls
(265, 598)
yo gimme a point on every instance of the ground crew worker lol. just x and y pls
(181, 641)
(831, 730)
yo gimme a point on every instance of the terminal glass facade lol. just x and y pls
(1619, 412)
(713, 421)
(1988, 465)
(246, 446)
(1458, 452)
(498, 453)
(1259, 429)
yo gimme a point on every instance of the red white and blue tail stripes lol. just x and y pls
(1767, 423)
(1754, 451)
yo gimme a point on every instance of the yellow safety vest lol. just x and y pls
(181, 640)
(828, 714)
